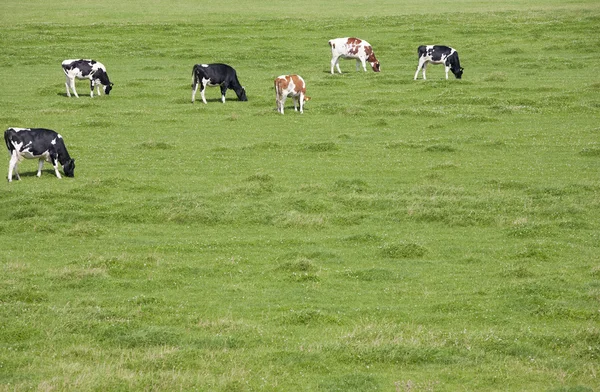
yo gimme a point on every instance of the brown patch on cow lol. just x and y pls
(298, 84)
(282, 83)
(353, 45)
(353, 41)
(371, 58)
(370, 55)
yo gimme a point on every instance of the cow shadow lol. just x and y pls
(72, 95)
(29, 174)
(209, 100)
(290, 109)
(26, 174)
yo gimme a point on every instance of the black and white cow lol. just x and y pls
(216, 75)
(37, 143)
(86, 69)
(438, 54)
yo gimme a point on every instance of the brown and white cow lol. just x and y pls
(290, 86)
(352, 48)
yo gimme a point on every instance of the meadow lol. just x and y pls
(400, 235)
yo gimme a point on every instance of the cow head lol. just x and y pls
(372, 59)
(241, 94)
(458, 73)
(107, 88)
(69, 168)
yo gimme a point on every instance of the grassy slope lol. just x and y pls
(399, 235)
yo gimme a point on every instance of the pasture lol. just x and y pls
(399, 235)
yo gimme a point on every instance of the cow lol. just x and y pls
(216, 75)
(290, 86)
(352, 48)
(438, 54)
(37, 143)
(86, 69)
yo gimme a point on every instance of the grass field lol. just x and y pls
(398, 236)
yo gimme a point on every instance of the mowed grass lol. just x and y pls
(399, 235)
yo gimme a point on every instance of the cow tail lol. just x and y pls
(194, 75)
(7, 140)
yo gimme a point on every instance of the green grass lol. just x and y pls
(399, 235)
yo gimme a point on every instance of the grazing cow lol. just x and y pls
(37, 143)
(437, 54)
(290, 86)
(352, 48)
(216, 75)
(86, 69)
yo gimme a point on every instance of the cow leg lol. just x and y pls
(364, 64)
(54, 161)
(67, 86)
(301, 99)
(223, 91)
(98, 88)
(418, 69)
(72, 85)
(202, 94)
(335, 62)
(282, 103)
(40, 165)
(337, 65)
(424, 71)
(203, 89)
(12, 166)
(447, 69)
(279, 100)
(194, 90)
(92, 89)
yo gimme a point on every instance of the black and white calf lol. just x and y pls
(86, 69)
(37, 143)
(216, 75)
(438, 54)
